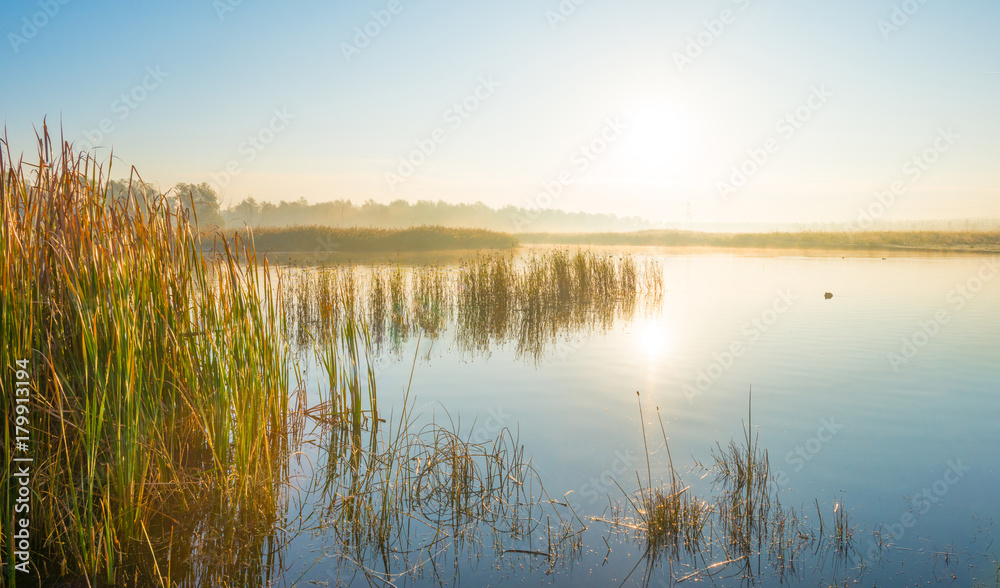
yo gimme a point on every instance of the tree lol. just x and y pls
(205, 200)
(134, 195)
(246, 212)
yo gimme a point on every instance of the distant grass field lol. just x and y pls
(871, 240)
(322, 240)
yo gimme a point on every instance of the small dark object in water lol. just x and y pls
(828, 295)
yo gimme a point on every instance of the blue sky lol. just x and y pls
(589, 110)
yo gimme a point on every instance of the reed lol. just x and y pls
(671, 520)
(154, 368)
(343, 345)
(489, 299)
(160, 419)
(843, 529)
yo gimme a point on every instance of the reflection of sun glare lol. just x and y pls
(657, 139)
(654, 340)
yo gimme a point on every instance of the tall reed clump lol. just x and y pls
(548, 293)
(339, 354)
(490, 299)
(155, 370)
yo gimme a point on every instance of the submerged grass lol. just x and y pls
(743, 527)
(410, 497)
(396, 500)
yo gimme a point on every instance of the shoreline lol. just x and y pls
(347, 244)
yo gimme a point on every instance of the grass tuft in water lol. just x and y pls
(744, 528)
(669, 517)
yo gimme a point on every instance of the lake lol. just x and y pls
(881, 402)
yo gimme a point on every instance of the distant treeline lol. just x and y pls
(199, 200)
(925, 240)
(331, 240)
(202, 202)
(402, 214)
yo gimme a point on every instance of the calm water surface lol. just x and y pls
(884, 398)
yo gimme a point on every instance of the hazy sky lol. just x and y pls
(632, 107)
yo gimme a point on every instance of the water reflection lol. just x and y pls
(210, 532)
(330, 531)
(412, 501)
(488, 301)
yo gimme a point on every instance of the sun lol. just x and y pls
(656, 141)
